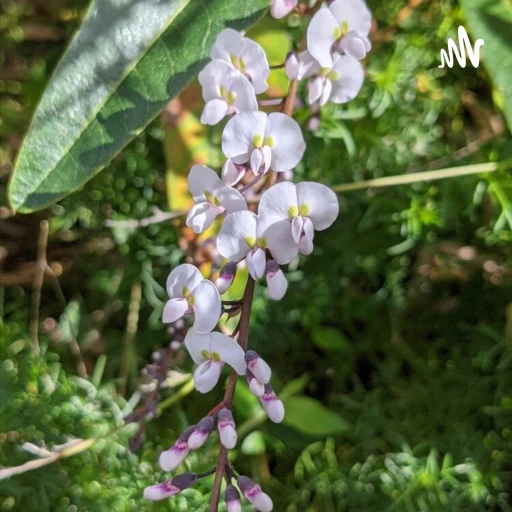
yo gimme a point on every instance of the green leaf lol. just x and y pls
(310, 417)
(329, 339)
(253, 444)
(491, 20)
(127, 61)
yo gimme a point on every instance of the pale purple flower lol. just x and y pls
(227, 428)
(232, 497)
(244, 55)
(307, 206)
(253, 493)
(255, 386)
(339, 83)
(170, 487)
(210, 351)
(258, 366)
(201, 432)
(342, 27)
(272, 405)
(190, 292)
(276, 280)
(225, 92)
(226, 277)
(267, 142)
(212, 197)
(170, 459)
(245, 235)
(280, 8)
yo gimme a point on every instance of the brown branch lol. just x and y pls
(227, 401)
(38, 284)
(157, 217)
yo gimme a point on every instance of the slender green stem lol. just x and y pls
(404, 179)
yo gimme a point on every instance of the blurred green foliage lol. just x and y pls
(396, 332)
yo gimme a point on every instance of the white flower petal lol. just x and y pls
(350, 79)
(278, 234)
(355, 13)
(236, 229)
(306, 242)
(228, 436)
(256, 262)
(229, 351)
(160, 491)
(226, 43)
(321, 202)
(231, 174)
(201, 216)
(215, 74)
(315, 88)
(214, 111)
(288, 142)
(267, 158)
(207, 306)
(321, 36)
(292, 67)
(245, 98)
(297, 224)
(207, 375)
(197, 344)
(278, 200)
(326, 92)
(230, 198)
(200, 179)
(354, 47)
(308, 65)
(277, 285)
(237, 138)
(280, 8)
(184, 276)
(170, 459)
(174, 309)
(256, 160)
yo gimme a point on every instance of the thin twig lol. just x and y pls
(157, 217)
(404, 179)
(38, 284)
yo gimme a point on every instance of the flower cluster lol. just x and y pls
(261, 228)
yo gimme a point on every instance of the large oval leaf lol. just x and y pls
(491, 20)
(128, 59)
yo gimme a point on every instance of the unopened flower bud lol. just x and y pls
(201, 433)
(232, 497)
(276, 281)
(226, 426)
(292, 66)
(170, 487)
(255, 386)
(226, 277)
(254, 494)
(272, 405)
(170, 459)
(259, 368)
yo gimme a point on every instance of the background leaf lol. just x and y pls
(491, 20)
(123, 66)
(311, 417)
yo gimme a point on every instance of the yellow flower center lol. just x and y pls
(262, 242)
(250, 241)
(257, 140)
(269, 141)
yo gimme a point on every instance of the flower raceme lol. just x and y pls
(263, 141)
(212, 197)
(190, 292)
(342, 27)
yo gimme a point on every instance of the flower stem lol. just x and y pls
(243, 341)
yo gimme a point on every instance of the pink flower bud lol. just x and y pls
(232, 497)
(255, 386)
(170, 487)
(170, 459)
(259, 368)
(201, 433)
(226, 426)
(276, 281)
(226, 277)
(254, 494)
(272, 405)
(292, 66)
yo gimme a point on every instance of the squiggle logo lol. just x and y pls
(464, 47)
